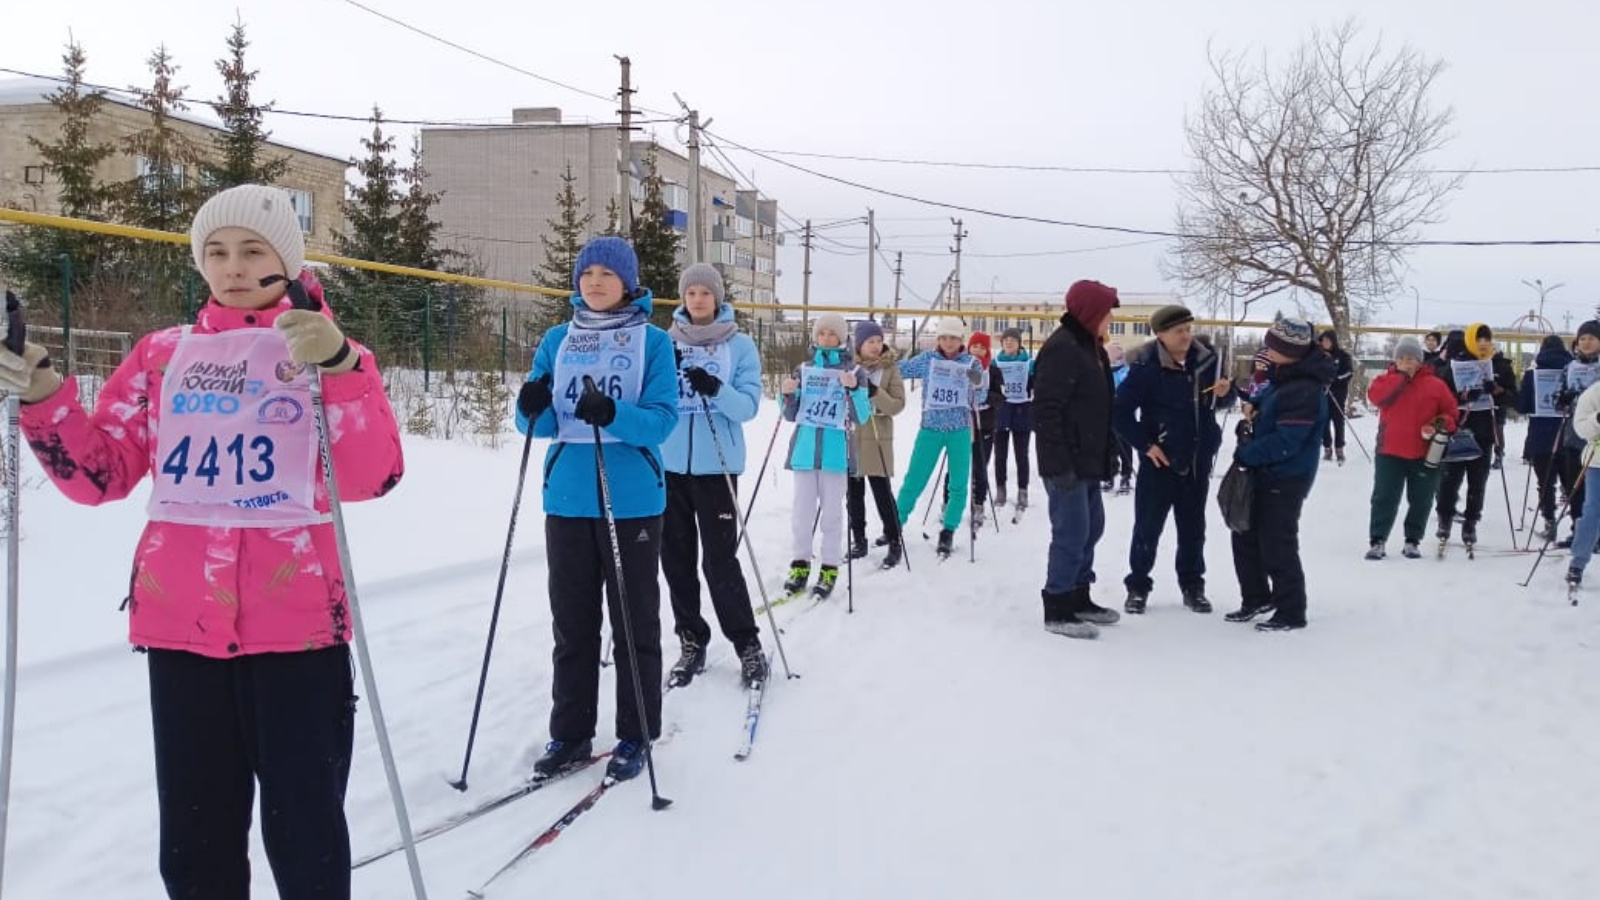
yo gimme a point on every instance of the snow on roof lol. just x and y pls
(27, 91)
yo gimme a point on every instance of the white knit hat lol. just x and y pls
(834, 323)
(947, 326)
(264, 210)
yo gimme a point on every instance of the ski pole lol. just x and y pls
(1527, 487)
(1505, 485)
(761, 476)
(460, 784)
(657, 802)
(1582, 473)
(15, 338)
(300, 300)
(744, 536)
(1549, 478)
(937, 477)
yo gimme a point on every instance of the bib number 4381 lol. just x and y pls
(259, 450)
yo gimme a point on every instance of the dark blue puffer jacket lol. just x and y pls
(1292, 411)
(1544, 432)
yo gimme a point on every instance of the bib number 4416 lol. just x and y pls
(259, 450)
(610, 385)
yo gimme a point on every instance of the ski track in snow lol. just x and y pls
(1423, 738)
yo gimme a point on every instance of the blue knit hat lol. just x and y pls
(1291, 337)
(866, 330)
(615, 254)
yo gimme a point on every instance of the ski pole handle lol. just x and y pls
(298, 298)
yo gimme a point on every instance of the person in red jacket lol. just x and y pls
(1412, 404)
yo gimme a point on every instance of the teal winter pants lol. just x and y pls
(957, 448)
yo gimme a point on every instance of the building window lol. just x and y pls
(153, 176)
(303, 206)
(1119, 327)
(34, 174)
(1141, 328)
(676, 196)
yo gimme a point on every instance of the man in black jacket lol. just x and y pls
(1166, 409)
(1339, 393)
(1072, 431)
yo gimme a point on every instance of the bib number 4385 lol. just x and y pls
(259, 450)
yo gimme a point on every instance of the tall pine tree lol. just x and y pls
(372, 232)
(655, 240)
(242, 155)
(31, 257)
(568, 232)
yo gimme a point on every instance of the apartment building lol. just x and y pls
(993, 313)
(499, 186)
(314, 181)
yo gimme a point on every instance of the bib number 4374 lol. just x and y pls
(258, 452)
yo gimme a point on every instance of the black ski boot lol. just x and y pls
(896, 553)
(1469, 534)
(827, 576)
(947, 540)
(1134, 605)
(559, 755)
(752, 664)
(1000, 495)
(1195, 599)
(1338, 455)
(799, 574)
(858, 545)
(1022, 499)
(691, 663)
(1124, 488)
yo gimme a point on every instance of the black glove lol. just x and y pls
(1563, 399)
(1472, 394)
(596, 408)
(872, 390)
(535, 397)
(704, 383)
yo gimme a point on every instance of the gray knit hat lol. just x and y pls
(1408, 346)
(702, 275)
(262, 209)
(834, 323)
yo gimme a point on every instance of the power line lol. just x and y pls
(1122, 170)
(1119, 229)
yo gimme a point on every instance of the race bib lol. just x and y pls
(1473, 373)
(614, 359)
(236, 446)
(947, 386)
(1546, 385)
(1014, 380)
(716, 360)
(1581, 375)
(822, 399)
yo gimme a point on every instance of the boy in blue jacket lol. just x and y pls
(720, 371)
(1288, 418)
(635, 406)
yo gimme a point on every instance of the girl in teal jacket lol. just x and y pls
(949, 401)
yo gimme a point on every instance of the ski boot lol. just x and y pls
(1022, 499)
(947, 540)
(892, 559)
(1469, 537)
(858, 546)
(1195, 599)
(560, 755)
(691, 663)
(1000, 495)
(799, 574)
(1338, 455)
(627, 761)
(827, 576)
(1134, 605)
(1327, 454)
(1125, 488)
(752, 664)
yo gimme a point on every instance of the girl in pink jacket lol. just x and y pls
(236, 594)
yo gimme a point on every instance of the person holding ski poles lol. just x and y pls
(989, 399)
(720, 371)
(826, 400)
(1013, 371)
(875, 451)
(952, 378)
(237, 596)
(634, 403)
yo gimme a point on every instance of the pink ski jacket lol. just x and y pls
(216, 591)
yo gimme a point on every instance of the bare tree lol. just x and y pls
(1311, 177)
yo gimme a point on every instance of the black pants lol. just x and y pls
(1267, 557)
(1569, 465)
(882, 498)
(1121, 460)
(283, 720)
(982, 449)
(1333, 432)
(1547, 475)
(1158, 491)
(581, 568)
(1005, 439)
(702, 514)
(1476, 474)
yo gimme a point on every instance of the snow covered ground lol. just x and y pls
(1430, 735)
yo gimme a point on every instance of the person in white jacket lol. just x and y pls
(1586, 422)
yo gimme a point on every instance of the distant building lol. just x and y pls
(314, 181)
(992, 314)
(499, 188)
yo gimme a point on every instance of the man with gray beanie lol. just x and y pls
(1413, 404)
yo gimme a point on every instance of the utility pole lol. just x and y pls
(1566, 324)
(955, 288)
(805, 285)
(895, 319)
(872, 261)
(625, 150)
(697, 226)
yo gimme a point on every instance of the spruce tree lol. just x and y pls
(372, 232)
(655, 241)
(164, 193)
(242, 155)
(567, 233)
(31, 257)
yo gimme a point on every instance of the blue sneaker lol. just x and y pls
(627, 761)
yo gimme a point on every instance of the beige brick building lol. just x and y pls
(499, 188)
(992, 314)
(315, 181)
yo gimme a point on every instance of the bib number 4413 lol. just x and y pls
(259, 450)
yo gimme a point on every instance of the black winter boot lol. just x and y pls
(1060, 619)
(1091, 612)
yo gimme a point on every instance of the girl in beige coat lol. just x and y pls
(875, 453)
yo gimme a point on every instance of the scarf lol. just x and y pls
(622, 317)
(702, 335)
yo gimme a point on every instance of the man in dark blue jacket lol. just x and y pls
(1287, 418)
(1166, 410)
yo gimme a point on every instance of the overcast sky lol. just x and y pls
(1003, 81)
